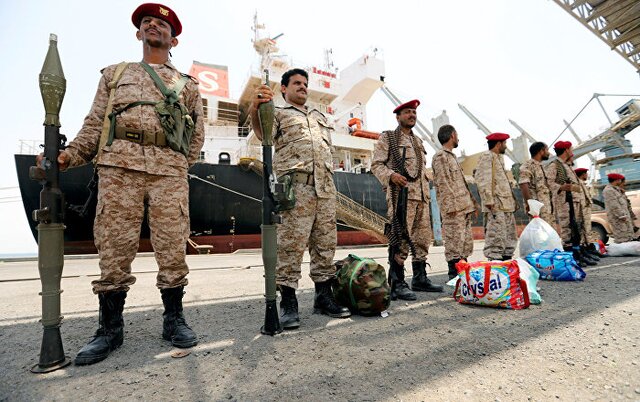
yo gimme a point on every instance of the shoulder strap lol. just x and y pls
(168, 93)
(106, 122)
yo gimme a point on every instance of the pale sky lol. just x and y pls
(527, 60)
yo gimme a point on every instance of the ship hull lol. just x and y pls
(224, 206)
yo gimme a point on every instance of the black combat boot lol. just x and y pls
(576, 256)
(110, 334)
(588, 259)
(420, 282)
(453, 272)
(591, 254)
(325, 303)
(174, 326)
(399, 288)
(593, 250)
(289, 318)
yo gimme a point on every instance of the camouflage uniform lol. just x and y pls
(619, 213)
(418, 211)
(302, 142)
(585, 205)
(132, 174)
(456, 205)
(532, 173)
(495, 189)
(559, 173)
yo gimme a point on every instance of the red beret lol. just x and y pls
(580, 171)
(563, 145)
(497, 137)
(411, 104)
(158, 11)
(615, 176)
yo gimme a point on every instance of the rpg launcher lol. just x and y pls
(270, 217)
(50, 216)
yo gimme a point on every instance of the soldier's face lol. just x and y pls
(296, 92)
(545, 154)
(156, 33)
(454, 136)
(503, 146)
(407, 118)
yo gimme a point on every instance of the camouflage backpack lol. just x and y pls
(361, 284)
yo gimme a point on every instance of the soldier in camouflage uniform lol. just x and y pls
(416, 233)
(564, 185)
(302, 142)
(498, 201)
(585, 200)
(533, 181)
(138, 172)
(456, 203)
(619, 213)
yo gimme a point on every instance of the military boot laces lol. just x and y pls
(110, 333)
(289, 318)
(325, 303)
(174, 326)
(420, 282)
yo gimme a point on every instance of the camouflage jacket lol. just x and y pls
(135, 84)
(532, 173)
(616, 204)
(585, 197)
(381, 165)
(452, 191)
(558, 173)
(493, 183)
(302, 142)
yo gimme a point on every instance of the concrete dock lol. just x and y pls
(580, 343)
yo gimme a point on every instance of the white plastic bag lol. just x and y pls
(538, 235)
(627, 248)
(531, 276)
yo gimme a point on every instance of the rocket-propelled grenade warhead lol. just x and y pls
(52, 84)
(266, 112)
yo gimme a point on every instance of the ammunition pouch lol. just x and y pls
(177, 124)
(286, 199)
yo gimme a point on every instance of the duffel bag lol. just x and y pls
(492, 284)
(361, 284)
(556, 265)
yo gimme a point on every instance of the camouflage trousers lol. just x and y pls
(419, 228)
(122, 196)
(545, 212)
(500, 237)
(457, 235)
(311, 223)
(622, 230)
(586, 214)
(564, 219)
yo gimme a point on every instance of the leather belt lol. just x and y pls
(302, 178)
(141, 136)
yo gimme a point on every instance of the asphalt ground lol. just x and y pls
(581, 343)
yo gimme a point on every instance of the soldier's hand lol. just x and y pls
(63, 160)
(398, 179)
(262, 94)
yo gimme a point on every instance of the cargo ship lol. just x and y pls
(225, 185)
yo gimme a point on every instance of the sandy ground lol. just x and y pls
(580, 344)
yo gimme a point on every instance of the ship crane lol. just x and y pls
(421, 129)
(486, 131)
